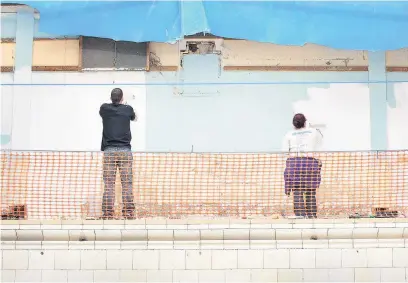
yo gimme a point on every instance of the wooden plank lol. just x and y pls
(163, 68)
(57, 38)
(397, 69)
(7, 69)
(56, 69)
(8, 40)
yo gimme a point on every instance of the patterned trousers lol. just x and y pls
(114, 158)
(304, 202)
(302, 177)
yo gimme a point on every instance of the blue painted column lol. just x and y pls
(8, 30)
(20, 137)
(378, 100)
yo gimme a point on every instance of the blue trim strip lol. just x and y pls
(207, 83)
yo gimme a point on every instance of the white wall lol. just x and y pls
(241, 114)
(65, 116)
(245, 111)
(344, 113)
(252, 110)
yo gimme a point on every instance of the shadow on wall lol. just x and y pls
(4, 139)
(248, 111)
(6, 110)
(397, 91)
(397, 99)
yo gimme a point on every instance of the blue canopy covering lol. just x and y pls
(365, 25)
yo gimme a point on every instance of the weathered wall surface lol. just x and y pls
(241, 100)
(244, 99)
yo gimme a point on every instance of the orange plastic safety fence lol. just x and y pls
(71, 185)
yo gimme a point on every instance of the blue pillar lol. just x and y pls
(8, 30)
(20, 138)
(378, 100)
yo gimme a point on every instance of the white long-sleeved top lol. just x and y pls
(303, 140)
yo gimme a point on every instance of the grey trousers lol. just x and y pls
(114, 158)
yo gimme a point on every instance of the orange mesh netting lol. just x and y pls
(70, 185)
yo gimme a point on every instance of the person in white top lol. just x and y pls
(302, 173)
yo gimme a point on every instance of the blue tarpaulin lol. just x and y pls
(365, 25)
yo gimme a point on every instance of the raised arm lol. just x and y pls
(319, 140)
(286, 144)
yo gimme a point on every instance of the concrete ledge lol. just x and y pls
(206, 244)
(369, 222)
(162, 230)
